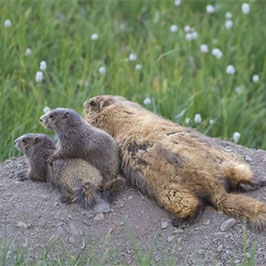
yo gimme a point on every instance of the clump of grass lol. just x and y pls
(175, 74)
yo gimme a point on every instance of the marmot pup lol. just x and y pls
(76, 179)
(173, 164)
(78, 139)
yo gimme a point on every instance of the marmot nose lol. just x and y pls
(41, 119)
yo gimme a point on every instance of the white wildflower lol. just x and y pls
(210, 9)
(187, 28)
(28, 52)
(214, 41)
(138, 67)
(132, 57)
(197, 118)
(236, 137)
(229, 24)
(211, 121)
(230, 70)
(7, 23)
(228, 15)
(194, 35)
(255, 78)
(239, 89)
(204, 48)
(147, 101)
(189, 36)
(245, 8)
(187, 120)
(178, 2)
(94, 37)
(39, 76)
(46, 109)
(43, 65)
(102, 70)
(173, 28)
(217, 53)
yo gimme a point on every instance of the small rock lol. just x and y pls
(207, 222)
(206, 245)
(248, 158)
(179, 240)
(178, 231)
(164, 225)
(56, 204)
(102, 206)
(130, 197)
(227, 149)
(121, 223)
(22, 225)
(200, 251)
(170, 238)
(225, 226)
(220, 248)
(71, 240)
(222, 234)
(237, 261)
(73, 229)
(98, 217)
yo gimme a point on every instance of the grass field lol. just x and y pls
(179, 79)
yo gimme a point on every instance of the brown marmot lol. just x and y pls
(78, 139)
(172, 163)
(76, 179)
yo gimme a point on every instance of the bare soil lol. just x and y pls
(32, 216)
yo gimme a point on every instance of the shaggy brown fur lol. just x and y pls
(173, 165)
(77, 180)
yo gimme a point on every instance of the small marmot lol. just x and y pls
(78, 139)
(173, 164)
(76, 179)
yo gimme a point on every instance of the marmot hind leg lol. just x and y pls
(112, 188)
(240, 178)
(182, 203)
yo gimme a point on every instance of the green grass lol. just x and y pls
(175, 74)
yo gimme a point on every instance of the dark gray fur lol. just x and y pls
(37, 149)
(78, 139)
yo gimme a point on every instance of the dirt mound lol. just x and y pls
(31, 215)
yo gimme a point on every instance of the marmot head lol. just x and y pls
(27, 142)
(97, 104)
(60, 119)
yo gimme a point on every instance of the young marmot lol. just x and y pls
(78, 139)
(76, 179)
(173, 165)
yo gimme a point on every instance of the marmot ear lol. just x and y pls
(66, 114)
(37, 140)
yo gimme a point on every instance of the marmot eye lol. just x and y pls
(51, 116)
(24, 141)
(93, 103)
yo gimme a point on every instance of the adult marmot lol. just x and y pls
(76, 179)
(173, 165)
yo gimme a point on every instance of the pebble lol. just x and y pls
(130, 197)
(178, 231)
(225, 226)
(206, 245)
(71, 240)
(102, 206)
(248, 158)
(73, 229)
(220, 248)
(164, 225)
(170, 238)
(179, 240)
(22, 225)
(200, 251)
(98, 217)
(207, 222)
